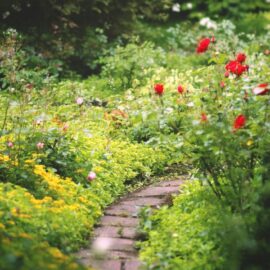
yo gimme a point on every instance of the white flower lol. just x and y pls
(204, 21)
(189, 5)
(190, 104)
(208, 23)
(176, 7)
(5, 15)
(168, 110)
(195, 122)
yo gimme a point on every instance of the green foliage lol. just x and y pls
(75, 33)
(225, 8)
(188, 235)
(132, 65)
(252, 248)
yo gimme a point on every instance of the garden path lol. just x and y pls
(113, 244)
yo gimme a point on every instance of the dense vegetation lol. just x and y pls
(160, 93)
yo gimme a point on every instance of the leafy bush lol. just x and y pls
(188, 235)
(131, 65)
(252, 248)
(75, 32)
(224, 8)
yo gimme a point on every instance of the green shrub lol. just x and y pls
(252, 233)
(224, 8)
(188, 235)
(131, 65)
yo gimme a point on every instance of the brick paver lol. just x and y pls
(113, 245)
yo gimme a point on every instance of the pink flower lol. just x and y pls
(10, 144)
(222, 84)
(79, 100)
(213, 39)
(40, 145)
(226, 74)
(261, 89)
(204, 117)
(91, 176)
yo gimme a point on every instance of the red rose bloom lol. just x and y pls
(261, 89)
(239, 121)
(263, 85)
(236, 67)
(180, 89)
(203, 45)
(159, 89)
(241, 57)
(231, 66)
(204, 117)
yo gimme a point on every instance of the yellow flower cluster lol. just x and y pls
(60, 186)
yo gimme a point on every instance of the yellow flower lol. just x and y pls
(25, 235)
(4, 158)
(56, 253)
(97, 169)
(30, 161)
(2, 226)
(249, 142)
(83, 200)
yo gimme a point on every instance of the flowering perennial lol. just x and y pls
(203, 45)
(159, 89)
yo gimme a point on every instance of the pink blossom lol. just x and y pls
(222, 84)
(226, 74)
(91, 176)
(10, 144)
(40, 145)
(79, 100)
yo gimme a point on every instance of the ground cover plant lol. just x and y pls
(192, 94)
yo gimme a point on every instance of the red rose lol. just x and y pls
(159, 89)
(241, 57)
(239, 121)
(204, 117)
(261, 89)
(180, 89)
(240, 69)
(203, 45)
(231, 66)
(236, 67)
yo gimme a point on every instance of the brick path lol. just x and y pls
(113, 244)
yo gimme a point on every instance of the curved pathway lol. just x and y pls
(113, 243)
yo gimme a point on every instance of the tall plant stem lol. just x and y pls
(5, 118)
